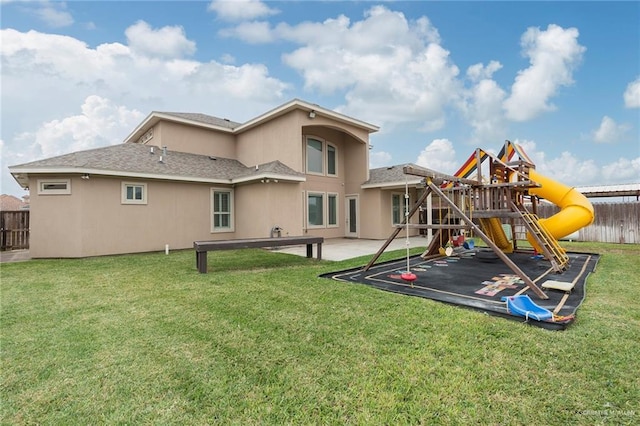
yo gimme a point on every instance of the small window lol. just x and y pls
(134, 193)
(331, 160)
(315, 210)
(332, 210)
(54, 186)
(222, 210)
(398, 207)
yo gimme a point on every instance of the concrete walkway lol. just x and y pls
(14, 256)
(332, 249)
(348, 248)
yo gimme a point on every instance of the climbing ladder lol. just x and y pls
(550, 247)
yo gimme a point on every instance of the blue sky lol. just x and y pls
(439, 78)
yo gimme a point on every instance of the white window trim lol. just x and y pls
(123, 193)
(325, 156)
(232, 222)
(336, 195)
(324, 208)
(402, 212)
(43, 191)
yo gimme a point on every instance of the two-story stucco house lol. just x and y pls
(299, 169)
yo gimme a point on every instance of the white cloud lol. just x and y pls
(166, 42)
(60, 72)
(482, 104)
(53, 14)
(610, 131)
(439, 155)
(241, 10)
(379, 159)
(566, 169)
(632, 94)
(553, 55)
(100, 123)
(254, 32)
(392, 70)
(46, 78)
(249, 82)
(624, 170)
(479, 72)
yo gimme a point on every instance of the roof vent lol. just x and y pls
(212, 157)
(151, 150)
(161, 160)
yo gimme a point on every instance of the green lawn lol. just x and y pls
(145, 339)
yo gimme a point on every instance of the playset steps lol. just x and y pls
(552, 250)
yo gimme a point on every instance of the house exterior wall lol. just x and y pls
(54, 221)
(92, 221)
(261, 206)
(195, 140)
(377, 222)
(277, 139)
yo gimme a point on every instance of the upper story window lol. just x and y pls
(331, 160)
(322, 157)
(54, 186)
(134, 193)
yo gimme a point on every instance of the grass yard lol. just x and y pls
(146, 339)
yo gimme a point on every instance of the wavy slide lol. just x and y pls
(575, 213)
(494, 230)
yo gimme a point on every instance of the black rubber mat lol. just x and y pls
(479, 280)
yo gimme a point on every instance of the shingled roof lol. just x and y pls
(204, 118)
(144, 161)
(391, 176)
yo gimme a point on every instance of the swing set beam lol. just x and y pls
(396, 231)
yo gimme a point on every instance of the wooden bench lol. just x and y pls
(202, 247)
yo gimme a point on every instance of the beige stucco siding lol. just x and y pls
(195, 140)
(92, 220)
(376, 218)
(261, 206)
(279, 139)
(54, 220)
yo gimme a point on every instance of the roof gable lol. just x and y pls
(391, 176)
(228, 126)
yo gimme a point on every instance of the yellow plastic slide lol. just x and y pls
(494, 230)
(575, 213)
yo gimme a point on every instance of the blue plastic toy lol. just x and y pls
(523, 306)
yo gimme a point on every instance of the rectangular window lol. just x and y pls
(321, 157)
(314, 156)
(134, 193)
(222, 210)
(331, 160)
(54, 187)
(332, 209)
(398, 207)
(315, 208)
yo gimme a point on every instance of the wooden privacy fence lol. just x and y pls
(613, 223)
(14, 230)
